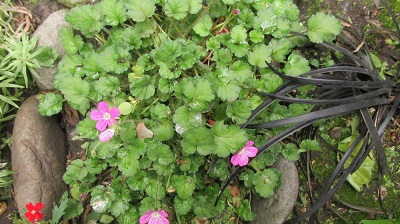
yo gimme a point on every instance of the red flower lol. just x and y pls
(33, 214)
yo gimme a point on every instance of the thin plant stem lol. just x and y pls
(198, 18)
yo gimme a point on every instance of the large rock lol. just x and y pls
(38, 158)
(48, 35)
(277, 208)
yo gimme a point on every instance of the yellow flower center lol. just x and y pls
(155, 215)
(106, 116)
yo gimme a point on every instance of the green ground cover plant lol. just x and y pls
(166, 89)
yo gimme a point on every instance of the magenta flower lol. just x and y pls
(236, 11)
(241, 158)
(104, 116)
(154, 217)
(106, 135)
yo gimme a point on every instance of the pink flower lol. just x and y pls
(154, 217)
(104, 116)
(106, 135)
(236, 11)
(241, 158)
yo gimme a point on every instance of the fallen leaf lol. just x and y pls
(142, 131)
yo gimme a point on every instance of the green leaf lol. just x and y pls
(163, 130)
(166, 73)
(280, 48)
(161, 110)
(223, 56)
(184, 185)
(322, 27)
(104, 150)
(102, 198)
(183, 206)
(130, 216)
(161, 154)
(239, 111)
(259, 55)
(72, 44)
(76, 91)
(228, 139)
(195, 6)
(155, 190)
(86, 128)
(176, 8)
(50, 104)
(291, 152)
(199, 89)
(204, 208)
(73, 210)
(296, 64)
(143, 87)
(186, 118)
(132, 37)
(139, 10)
(241, 71)
(58, 211)
(309, 145)
(203, 26)
(220, 170)
(113, 11)
(265, 20)
(106, 219)
(239, 49)
(364, 174)
(108, 85)
(266, 182)
(198, 140)
(244, 211)
(115, 59)
(139, 181)
(191, 163)
(256, 36)
(228, 90)
(128, 162)
(271, 82)
(213, 44)
(85, 18)
(238, 34)
(76, 171)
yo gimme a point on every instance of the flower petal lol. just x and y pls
(163, 213)
(106, 135)
(96, 115)
(243, 160)
(101, 125)
(145, 218)
(234, 160)
(38, 216)
(249, 144)
(29, 206)
(103, 106)
(38, 206)
(114, 112)
(250, 151)
(30, 216)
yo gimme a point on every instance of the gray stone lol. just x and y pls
(48, 35)
(38, 158)
(277, 208)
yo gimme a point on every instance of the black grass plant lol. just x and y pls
(352, 86)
